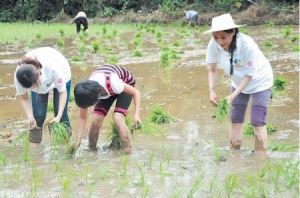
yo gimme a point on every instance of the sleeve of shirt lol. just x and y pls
(20, 90)
(211, 53)
(251, 60)
(59, 82)
(117, 84)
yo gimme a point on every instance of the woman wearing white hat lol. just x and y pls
(251, 76)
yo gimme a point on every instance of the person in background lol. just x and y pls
(40, 71)
(107, 84)
(250, 73)
(191, 17)
(81, 19)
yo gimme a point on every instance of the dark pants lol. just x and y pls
(40, 107)
(81, 21)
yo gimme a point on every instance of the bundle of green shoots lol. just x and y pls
(159, 116)
(222, 110)
(59, 133)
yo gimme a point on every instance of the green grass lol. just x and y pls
(280, 83)
(2, 160)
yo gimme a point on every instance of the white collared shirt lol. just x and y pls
(55, 72)
(247, 60)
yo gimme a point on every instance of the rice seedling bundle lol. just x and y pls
(222, 110)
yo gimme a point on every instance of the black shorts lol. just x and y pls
(122, 104)
(81, 21)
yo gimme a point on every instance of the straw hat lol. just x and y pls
(222, 22)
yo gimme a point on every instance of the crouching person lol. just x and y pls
(42, 70)
(107, 84)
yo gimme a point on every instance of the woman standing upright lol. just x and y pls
(40, 71)
(250, 73)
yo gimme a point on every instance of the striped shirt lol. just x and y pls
(123, 73)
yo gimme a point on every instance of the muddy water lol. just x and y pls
(171, 162)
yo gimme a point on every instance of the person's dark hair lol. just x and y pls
(232, 46)
(27, 75)
(86, 93)
(32, 61)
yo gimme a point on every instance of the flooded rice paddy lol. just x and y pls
(190, 157)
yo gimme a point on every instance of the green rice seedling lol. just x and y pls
(59, 133)
(138, 35)
(159, 116)
(104, 30)
(123, 183)
(222, 110)
(286, 32)
(87, 172)
(86, 34)
(35, 179)
(198, 162)
(61, 32)
(176, 194)
(279, 83)
(176, 44)
(269, 24)
(291, 173)
(231, 182)
(268, 44)
(165, 59)
(124, 162)
(26, 146)
(217, 153)
(50, 107)
(212, 184)
(104, 172)
(277, 170)
(91, 188)
(2, 160)
(113, 135)
(162, 172)
(295, 38)
(149, 128)
(113, 60)
(115, 32)
(282, 147)
(137, 53)
(150, 159)
(65, 181)
(60, 42)
(141, 181)
(76, 58)
(158, 35)
(296, 48)
(137, 42)
(173, 54)
(145, 191)
(196, 186)
(30, 44)
(262, 173)
(96, 46)
(17, 172)
(38, 35)
(249, 131)
(82, 50)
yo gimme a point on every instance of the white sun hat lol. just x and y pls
(222, 22)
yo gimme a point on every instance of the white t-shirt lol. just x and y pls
(189, 14)
(117, 85)
(247, 60)
(55, 72)
(80, 14)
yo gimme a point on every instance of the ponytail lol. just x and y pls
(232, 47)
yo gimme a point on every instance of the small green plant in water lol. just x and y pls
(279, 83)
(60, 42)
(137, 53)
(222, 110)
(282, 147)
(2, 160)
(61, 32)
(249, 131)
(96, 46)
(231, 182)
(159, 116)
(38, 36)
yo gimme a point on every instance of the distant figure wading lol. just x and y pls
(80, 19)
